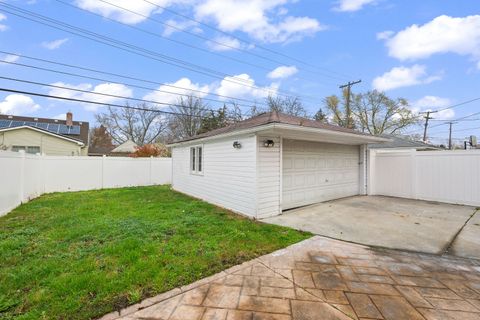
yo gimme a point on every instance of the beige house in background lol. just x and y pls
(34, 140)
(52, 137)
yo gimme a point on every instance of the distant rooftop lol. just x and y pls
(78, 130)
(399, 142)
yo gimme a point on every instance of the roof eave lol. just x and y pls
(276, 125)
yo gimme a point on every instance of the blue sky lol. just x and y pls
(425, 51)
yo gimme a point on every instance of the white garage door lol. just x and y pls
(315, 172)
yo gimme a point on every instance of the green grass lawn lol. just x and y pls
(81, 255)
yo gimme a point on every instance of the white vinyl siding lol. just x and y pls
(315, 172)
(268, 172)
(228, 174)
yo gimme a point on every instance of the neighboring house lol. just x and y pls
(45, 136)
(123, 150)
(270, 163)
(401, 143)
(127, 147)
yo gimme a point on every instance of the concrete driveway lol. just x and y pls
(421, 226)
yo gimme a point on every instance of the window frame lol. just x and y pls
(197, 163)
(18, 148)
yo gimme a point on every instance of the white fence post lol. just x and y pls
(104, 157)
(413, 172)
(372, 154)
(21, 191)
(150, 171)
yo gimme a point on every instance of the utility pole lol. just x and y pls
(427, 117)
(450, 136)
(348, 111)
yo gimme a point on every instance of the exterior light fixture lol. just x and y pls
(237, 145)
(268, 143)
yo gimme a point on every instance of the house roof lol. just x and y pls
(271, 118)
(127, 147)
(77, 141)
(398, 142)
(78, 131)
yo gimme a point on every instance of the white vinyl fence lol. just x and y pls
(24, 176)
(444, 176)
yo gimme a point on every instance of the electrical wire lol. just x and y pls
(134, 49)
(225, 45)
(248, 43)
(128, 84)
(30, 93)
(98, 93)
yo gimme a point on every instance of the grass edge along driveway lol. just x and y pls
(80, 255)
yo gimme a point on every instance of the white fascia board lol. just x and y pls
(272, 126)
(45, 132)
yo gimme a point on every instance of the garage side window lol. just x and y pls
(196, 160)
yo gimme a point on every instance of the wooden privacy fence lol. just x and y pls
(444, 176)
(24, 176)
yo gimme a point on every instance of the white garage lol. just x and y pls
(270, 163)
(316, 172)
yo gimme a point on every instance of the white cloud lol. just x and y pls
(18, 104)
(254, 17)
(106, 88)
(10, 58)
(55, 44)
(242, 86)
(403, 77)
(173, 26)
(3, 27)
(61, 116)
(352, 5)
(116, 11)
(384, 35)
(185, 87)
(224, 43)
(430, 103)
(443, 34)
(283, 72)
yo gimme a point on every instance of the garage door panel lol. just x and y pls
(315, 172)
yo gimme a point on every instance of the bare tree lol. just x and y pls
(288, 105)
(373, 112)
(140, 126)
(187, 120)
(377, 114)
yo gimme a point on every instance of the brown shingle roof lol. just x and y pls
(269, 118)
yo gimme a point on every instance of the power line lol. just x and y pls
(98, 93)
(225, 45)
(349, 85)
(427, 117)
(460, 104)
(134, 49)
(30, 93)
(179, 42)
(132, 85)
(249, 43)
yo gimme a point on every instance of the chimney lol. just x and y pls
(69, 119)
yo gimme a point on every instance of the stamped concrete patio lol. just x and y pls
(321, 279)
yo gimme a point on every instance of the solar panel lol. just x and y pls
(42, 125)
(53, 127)
(63, 129)
(16, 124)
(5, 123)
(75, 130)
